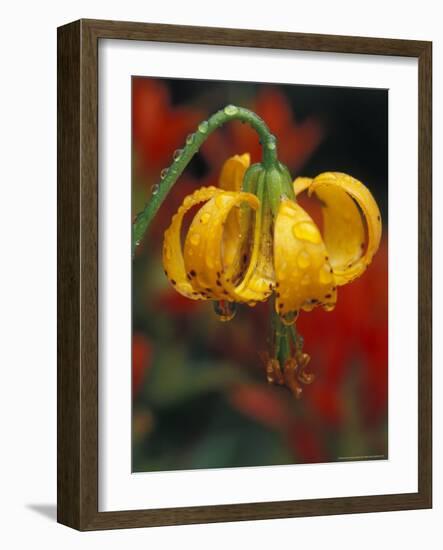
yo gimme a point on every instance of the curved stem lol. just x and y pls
(183, 157)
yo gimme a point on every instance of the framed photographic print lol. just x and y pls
(244, 275)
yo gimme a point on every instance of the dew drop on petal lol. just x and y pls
(210, 262)
(325, 275)
(195, 239)
(225, 310)
(307, 231)
(205, 217)
(167, 252)
(303, 260)
(329, 307)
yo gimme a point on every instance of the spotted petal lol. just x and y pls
(303, 273)
(204, 244)
(173, 260)
(352, 223)
(231, 178)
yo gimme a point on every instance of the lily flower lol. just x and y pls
(251, 241)
(242, 246)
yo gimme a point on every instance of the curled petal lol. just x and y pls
(301, 184)
(251, 276)
(204, 244)
(344, 199)
(233, 171)
(173, 260)
(304, 276)
(231, 178)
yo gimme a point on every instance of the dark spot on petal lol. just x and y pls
(331, 270)
(327, 258)
(192, 273)
(277, 284)
(219, 283)
(280, 306)
(270, 286)
(277, 294)
(173, 282)
(208, 289)
(218, 274)
(334, 288)
(245, 257)
(378, 218)
(328, 296)
(314, 301)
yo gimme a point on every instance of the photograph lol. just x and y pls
(259, 274)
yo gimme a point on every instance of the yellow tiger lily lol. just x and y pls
(245, 243)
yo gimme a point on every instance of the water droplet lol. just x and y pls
(210, 262)
(252, 304)
(307, 231)
(195, 239)
(225, 310)
(205, 217)
(189, 139)
(329, 307)
(167, 252)
(163, 173)
(230, 110)
(303, 260)
(271, 145)
(177, 154)
(203, 127)
(289, 318)
(154, 189)
(325, 275)
(137, 243)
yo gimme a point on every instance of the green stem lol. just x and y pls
(184, 156)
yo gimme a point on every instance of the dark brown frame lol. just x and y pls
(77, 456)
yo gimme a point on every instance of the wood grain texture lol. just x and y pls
(78, 270)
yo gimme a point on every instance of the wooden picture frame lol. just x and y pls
(78, 274)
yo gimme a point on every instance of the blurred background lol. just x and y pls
(200, 396)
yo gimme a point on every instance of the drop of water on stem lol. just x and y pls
(203, 127)
(154, 189)
(163, 173)
(189, 139)
(177, 154)
(230, 110)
